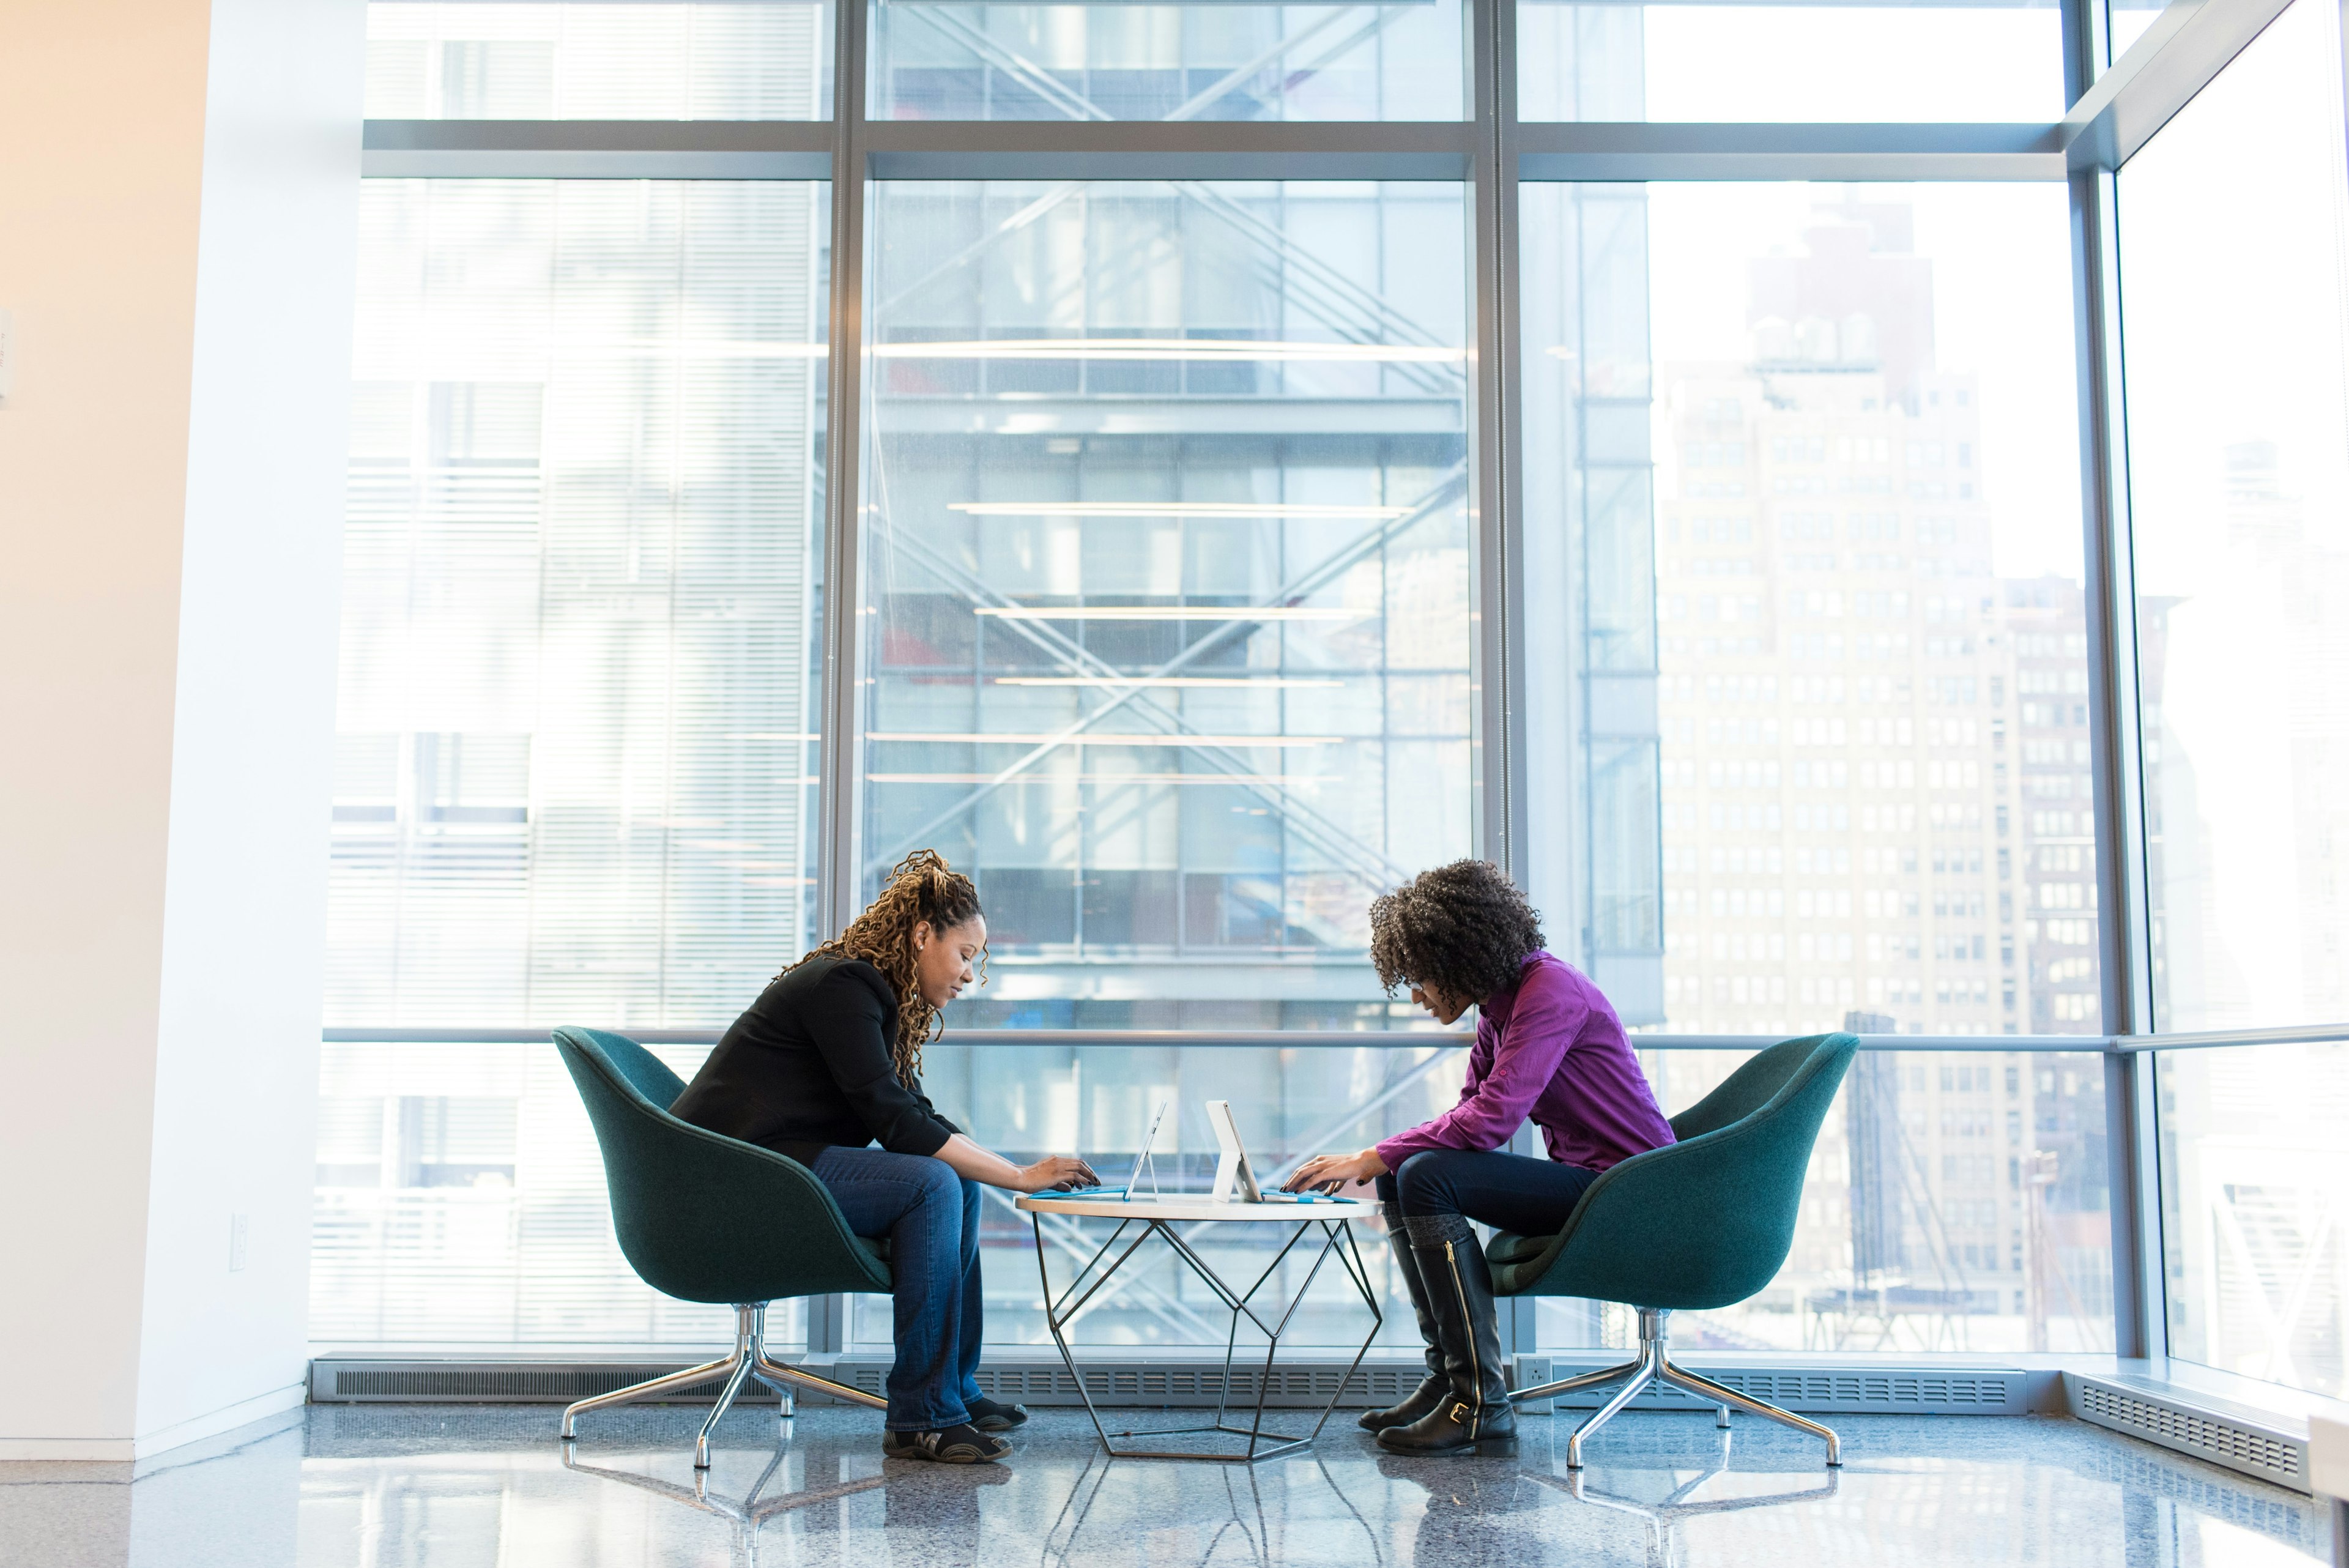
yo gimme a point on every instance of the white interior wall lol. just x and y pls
(178, 221)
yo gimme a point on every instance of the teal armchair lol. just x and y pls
(704, 1218)
(1700, 1224)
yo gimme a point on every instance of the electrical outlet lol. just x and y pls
(239, 1225)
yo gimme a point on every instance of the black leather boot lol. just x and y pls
(1433, 1386)
(1475, 1416)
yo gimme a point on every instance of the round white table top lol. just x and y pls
(1191, 1206)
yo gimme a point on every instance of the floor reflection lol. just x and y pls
(753, 1510)
(460, 1487)
(1665, 1500)
(1285, 1512)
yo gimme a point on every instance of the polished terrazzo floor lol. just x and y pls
(467, 1487)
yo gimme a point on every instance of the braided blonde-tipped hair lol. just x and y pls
(922, 886)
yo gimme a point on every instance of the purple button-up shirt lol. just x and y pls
(1550, 1047)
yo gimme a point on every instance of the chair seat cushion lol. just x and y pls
(1517, 1262)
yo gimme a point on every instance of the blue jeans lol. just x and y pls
(931, 1218)
(1510, 1192)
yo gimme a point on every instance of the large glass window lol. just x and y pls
(2232, 261)
(1167, 628)
(2254, 1187)
(2001, 60)
(1169, 575)
(1803, 454)
(952, 59)
(576, 764)
(542, 60)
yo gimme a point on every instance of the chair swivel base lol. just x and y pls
(1654, 1366)
(747, 1360)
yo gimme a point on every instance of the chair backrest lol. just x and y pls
(699, 1216)
(1708, 1221)
(644, 1072)
(1746, 1091)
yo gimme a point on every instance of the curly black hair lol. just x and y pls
(1463, 928)
(922, 886)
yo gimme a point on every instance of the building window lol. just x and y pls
(1874, 757)
(2239, 470)
(1169, 607)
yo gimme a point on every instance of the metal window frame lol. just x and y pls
(2114, 111)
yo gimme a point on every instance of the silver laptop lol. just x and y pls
(1134, 1177)
(1234, 1177)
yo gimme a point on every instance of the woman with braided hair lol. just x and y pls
(1549, 1047)
(826, 1064)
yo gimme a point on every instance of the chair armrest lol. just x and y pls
(1508, 1247)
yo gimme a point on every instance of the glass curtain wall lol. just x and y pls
(1796, 456)
(955, 59)
(1736, 62)
(574, 774)
(1168, 582)
(2234, 264)
(1169, 621)
(463, 59)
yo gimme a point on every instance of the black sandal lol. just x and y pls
(961, 1444)
(994, 1416)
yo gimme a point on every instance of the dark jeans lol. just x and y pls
(1509, 1191)
(930, 1217)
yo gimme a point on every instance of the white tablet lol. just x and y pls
(1234, 1179)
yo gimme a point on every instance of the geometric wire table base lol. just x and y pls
(1337, 1240)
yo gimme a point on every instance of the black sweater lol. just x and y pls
(807, 1067)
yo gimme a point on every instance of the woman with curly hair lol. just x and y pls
(826, 1064)
(1548, 1047)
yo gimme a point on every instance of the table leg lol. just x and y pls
(1059, 1315)
(1052, 1318)
(1336, 1238)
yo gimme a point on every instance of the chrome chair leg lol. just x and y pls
(645, 1390)
(773, 1374)
(742, 1375)
(753, 1338)
(787, 1403)
(1654, 1364)
(747, 1359)
(1578, 1381)
(1727, 1396)
(1640, 1379)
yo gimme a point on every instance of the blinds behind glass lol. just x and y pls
(575, 764)
(740, 60)
(575, 759)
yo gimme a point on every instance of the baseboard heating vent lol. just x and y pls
(375, 1380)
(1140, 1383)
(334, 1381)
(2248, 1446)
(1889, 1390)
